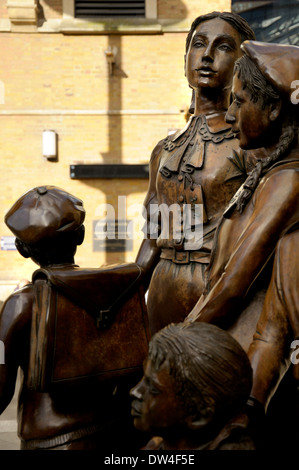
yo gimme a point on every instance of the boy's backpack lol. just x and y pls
(88, 325)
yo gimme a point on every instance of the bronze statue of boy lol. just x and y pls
(67, 401)
(196, 378)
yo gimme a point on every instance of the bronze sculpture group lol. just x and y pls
(204, 386)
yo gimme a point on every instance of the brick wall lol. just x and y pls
(62, 82)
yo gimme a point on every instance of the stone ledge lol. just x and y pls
(77, 26)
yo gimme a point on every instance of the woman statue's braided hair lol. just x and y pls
(260, 88)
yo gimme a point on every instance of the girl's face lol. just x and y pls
(251, 122)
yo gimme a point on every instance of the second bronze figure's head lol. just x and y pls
(196, 377)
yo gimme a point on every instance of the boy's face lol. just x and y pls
(155, 406)
(250, 120)
(213, 50)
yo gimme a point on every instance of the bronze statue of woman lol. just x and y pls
(200, 166)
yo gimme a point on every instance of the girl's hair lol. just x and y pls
(260, 89)
(211, 373)
(236, 21)
(252, 79)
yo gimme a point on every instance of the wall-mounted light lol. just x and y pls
(110, 54)
(50, 145)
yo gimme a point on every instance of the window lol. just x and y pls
(103, 16)
(272, 21)
(110, 8)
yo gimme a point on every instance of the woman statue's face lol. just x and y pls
(213, 50)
